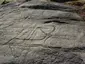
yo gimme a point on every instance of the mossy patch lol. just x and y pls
(1, 1)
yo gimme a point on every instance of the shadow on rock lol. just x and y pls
(49, 7)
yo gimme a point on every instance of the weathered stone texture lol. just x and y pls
(41, 36)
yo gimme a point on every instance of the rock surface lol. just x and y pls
(41, 33)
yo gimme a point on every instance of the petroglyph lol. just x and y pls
(30, 36)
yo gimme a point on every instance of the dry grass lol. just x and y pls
(80, 4)
(76, 3)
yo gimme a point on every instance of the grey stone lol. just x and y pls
(41, 35)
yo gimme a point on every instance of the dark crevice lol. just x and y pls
(49, 7)
(72, 49)
(52, 17)
(67, 18)
(56, 21)
(62, 1)
(4, 2)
